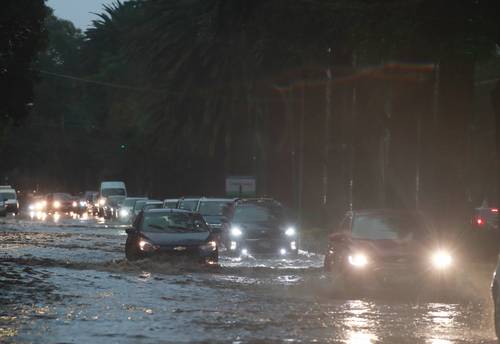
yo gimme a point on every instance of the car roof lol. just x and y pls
(171, 200)
(170, 210)
(257, 201)
(154, 202)
(138, 198)
(206, 199)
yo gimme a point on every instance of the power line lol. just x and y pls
(104, 83)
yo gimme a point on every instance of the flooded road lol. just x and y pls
(68, 282)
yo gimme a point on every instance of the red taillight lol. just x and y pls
(494, 210)
(479, 222)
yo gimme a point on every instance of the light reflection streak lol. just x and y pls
(361, 338)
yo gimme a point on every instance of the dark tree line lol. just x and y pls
(330, 104)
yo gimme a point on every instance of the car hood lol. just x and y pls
(167, 239)
(258, 229)
(388, 248)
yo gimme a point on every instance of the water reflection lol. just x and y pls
(439, 341)
(361, 338)
(360, 322)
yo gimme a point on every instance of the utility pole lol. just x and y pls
(354, 103)
(301, 151)
(327, 129)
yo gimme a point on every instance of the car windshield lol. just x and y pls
(173, 222)
(152, 206)
(258, 213)
(171, 204)
(212, 208)
(7, 195)
(113, 192)
(139, 205)
(388, 227)
(188, 205)
(129, 202)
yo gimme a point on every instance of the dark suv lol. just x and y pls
(261, 226)
(380, 247)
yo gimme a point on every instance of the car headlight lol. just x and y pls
(358, 260)
(235, 231)
(83, 204)
(31, 207)
(146, 246)
(57, 204)
(124, 213)
(102, 201)
(209, 246)
(290, 231)
(441, 260)
(74, 204)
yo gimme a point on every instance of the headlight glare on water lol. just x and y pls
(441, 259)
(358, 260)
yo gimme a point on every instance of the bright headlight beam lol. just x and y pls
(441, 259)
(290, 231)
(235, 231)
(358, 260)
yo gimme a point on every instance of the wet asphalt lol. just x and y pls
(68, 282)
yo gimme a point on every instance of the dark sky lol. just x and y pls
(77, 11)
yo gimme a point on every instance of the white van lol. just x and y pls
(110, 195)
(9, 195)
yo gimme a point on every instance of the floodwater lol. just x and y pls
(68, 282)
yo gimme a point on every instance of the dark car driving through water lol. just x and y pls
(215, 210)
(261, 226)
(171, 234)
(374, 248)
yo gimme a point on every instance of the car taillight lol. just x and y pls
(494, 210)
(479, 221)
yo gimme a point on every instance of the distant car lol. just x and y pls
(261, 226)
(486, 218)
(171, 203)
(91, 198)
(152, 204)
(215, 210)
(171, 234)
(126, 209)
(111, 193)
(59, 202)
(9, 195)
(3, 208)
(188, 203)
(373, 248)
(495, 293)
(143, 205)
